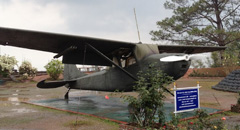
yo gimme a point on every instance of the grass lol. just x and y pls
(227, 113)
(208, 104)
(77, 123)
(5, 121)
(214, 116)
(208, 85)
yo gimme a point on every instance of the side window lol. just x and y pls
(115, 60)
(131, 60)
(123, 62)
(124, 58)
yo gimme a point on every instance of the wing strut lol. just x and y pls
(109, 60)
(65, 51)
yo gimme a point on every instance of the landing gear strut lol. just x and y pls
(66, 95)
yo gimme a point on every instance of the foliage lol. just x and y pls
(238, 101)
(204, 122)
(149, 103)
(202, 22)
(7, 64)
(208, 62)
(77, 123)
(216, 57)
(174, 123)
(26, 70)
(231, 59)
(175, 119)
(54, 68)
(197, 73)
(198, 64)
(24, 76)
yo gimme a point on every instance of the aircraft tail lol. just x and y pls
(71, 72)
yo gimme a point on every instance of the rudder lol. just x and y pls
(71, 72)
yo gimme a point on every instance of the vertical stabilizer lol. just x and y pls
(71, 72)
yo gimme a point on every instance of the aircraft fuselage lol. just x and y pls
(114, 79)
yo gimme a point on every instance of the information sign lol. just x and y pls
(186, 99)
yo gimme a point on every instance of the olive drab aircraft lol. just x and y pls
(125, 59)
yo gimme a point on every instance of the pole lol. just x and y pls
(198, 95)
(137, 25)
(175, 103)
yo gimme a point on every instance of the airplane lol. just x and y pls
(125, 59)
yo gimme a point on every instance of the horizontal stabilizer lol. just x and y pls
(52, 84)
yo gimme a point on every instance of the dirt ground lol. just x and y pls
(18, 116)
(15, 115)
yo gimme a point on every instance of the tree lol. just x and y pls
(27, 70)
(54, 68)
(7, 64)
(231, 59)
(202, 22)
(216, 59)
(198, 64)
(148, 106)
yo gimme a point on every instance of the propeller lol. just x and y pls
(180, 58)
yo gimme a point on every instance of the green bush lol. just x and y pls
(238, 101)
(204, 122)
(54, 68)
(7, 64)
(231, 59)
(26, 70)
(150, 88)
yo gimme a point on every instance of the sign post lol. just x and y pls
(186, 99)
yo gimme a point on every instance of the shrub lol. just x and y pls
(238, 101)
(231, 58)
(24, 76)
(7, 64)
(26, 70)
(204, 122)
(196, 74)
(147, 108)
(54, 68)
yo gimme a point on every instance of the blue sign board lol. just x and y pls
(186, 99)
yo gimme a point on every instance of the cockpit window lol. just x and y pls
(124, 57)
(130, 61)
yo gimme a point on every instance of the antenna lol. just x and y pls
(137, 26)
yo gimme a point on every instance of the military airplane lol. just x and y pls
(125, 59)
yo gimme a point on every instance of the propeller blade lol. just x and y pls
(173, 58)
(196, 57)
(180, 58)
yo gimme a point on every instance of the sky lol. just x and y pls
(107, 19)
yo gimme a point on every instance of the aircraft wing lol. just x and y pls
(188, 49)
(74, 47)
(58, 43)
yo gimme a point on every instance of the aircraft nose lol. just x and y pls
(175, 69)
(181, 68)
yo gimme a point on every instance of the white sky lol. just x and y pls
(109, 19)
